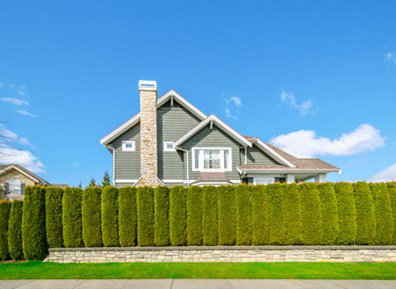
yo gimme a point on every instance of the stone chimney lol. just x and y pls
(148, 134)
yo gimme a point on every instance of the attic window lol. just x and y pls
(128, 146)
(169, 146)
(15, 186)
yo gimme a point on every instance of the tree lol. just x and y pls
(106, 179)
(92, 183)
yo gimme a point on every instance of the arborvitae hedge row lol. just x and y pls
(383, 212)
(392, 195)
(226, 215)
(72, 217)
(331, 226)
(312, 216)
(15, 231)
(177, 216)
(292, 215)
(92, 217)
(260, 215)
(53, 216)
(243, 204)
(34, 241)
(145, 206)
(5, 207)
(161, 216)
(277, 230)
(365, 212)
(346, 213)
(110, 217)
(127, 216)
(209, 216)
(194, 216)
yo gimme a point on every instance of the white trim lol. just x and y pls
(131, 142)
(123, 128)
(206, 183)
(238, 137)
(19, 170)
(200, 165)
(120, 181)
(173, 181)
(274, 154)
(166, 149)
(286, 170)
(268, 178)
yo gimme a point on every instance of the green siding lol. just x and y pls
(258, 157)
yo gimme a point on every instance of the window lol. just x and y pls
(169, 146)
(128, 146)
(15, 186)
(211, 159)
(263, 181)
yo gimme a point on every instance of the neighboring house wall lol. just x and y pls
(12, 174)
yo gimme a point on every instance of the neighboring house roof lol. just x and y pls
(4, 168)
(212, 119)
(169, 96)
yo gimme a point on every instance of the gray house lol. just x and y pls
(171, 142)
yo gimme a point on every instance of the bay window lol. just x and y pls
(211, 159)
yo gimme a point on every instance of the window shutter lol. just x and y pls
(22, 188)
(6, 188)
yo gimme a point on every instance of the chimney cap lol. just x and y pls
(147, 85)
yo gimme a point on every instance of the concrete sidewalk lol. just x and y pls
(196, 284)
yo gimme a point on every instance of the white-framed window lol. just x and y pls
(169, 146)
(211, 159)
(263, 181)
(15, 186)
(128, 146)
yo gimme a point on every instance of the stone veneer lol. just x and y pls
(225, 254)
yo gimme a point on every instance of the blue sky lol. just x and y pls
(316, 77)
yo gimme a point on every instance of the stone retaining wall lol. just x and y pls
(225, 254)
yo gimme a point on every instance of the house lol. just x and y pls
(171, 142)
(13, 180)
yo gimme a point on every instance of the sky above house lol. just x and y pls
(316, 78)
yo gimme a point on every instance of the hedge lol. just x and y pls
(15, 231)
(110, 217)
(194, 216)
(72, 217)
(226, 215)
(365, 214)
(392, 194)
(346, 213)
(243, 204)
(53, 216)
(34, 241)
(383, 212)
(277, 229)
(292, 215)
(177, 216)
(5, 207)
(92, 217)
(331, 226)
(209, 216)
(127, 216)
(312, 216)
(161, 216)
(145, 206)
(260, 215)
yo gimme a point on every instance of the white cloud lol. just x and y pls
(231, 104)
(9, 136)
(21, 90)
(390, 57)
(229, 113)
(26, 113)
(306, 107)
(305, 143)
(15, 101)
(24, 158)
(386, 175)
(234, 100)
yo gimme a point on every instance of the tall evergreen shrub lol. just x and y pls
(72, 217)
(177, 216)
(15, 231)
(312, 217)
(161, 216)
(127, 216)
(53, 216)
(194, 216)
(34, 241)
(209, 216)
(392, 194)
(226, 215)
(92, 217)
(5, 207)
(277, 229)
(383, 212)
(292, 215)
(260, 215)
(365, 212)
(145, 206)
(110, 217)
(346, 213)
(243, 201)
(331, 226)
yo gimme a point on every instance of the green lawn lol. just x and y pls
(40, 270)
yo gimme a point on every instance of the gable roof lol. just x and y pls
(4, 168)
(170, 95)
(212, 119)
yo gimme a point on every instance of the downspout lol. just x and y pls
(188, 166)
(113, 171)
(245, 155)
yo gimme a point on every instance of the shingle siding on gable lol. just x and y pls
(127, 164)
(173, 122)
